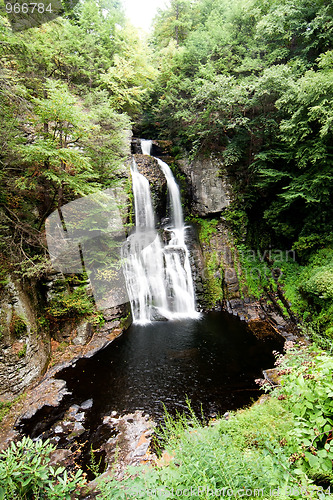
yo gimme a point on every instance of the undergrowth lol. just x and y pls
(307, 288)
(279, 447)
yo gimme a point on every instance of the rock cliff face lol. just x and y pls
(148, 167)
(25, 350)
(210, 188)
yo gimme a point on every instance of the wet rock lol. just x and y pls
(77, 431)
(86, 405)
(82, 334)
(211, 188)
(59, 457)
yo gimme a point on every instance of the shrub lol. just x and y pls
(25, 473)
(70, 305)
(306, 385)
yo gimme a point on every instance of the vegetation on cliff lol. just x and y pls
(69, 92)
(253, 82)
(250, 81)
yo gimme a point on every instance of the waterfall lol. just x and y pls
(158, 277)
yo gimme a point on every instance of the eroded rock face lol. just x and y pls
(24, 354)
(211, 190)
(148, 167)
(131, 442)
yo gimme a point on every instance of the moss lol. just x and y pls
(213, 286)
(213, 289)
(70, 305)
(22, 352)
(17, 326)
(62, 346)
(207, 228)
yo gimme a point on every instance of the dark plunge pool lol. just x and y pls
(212, 361)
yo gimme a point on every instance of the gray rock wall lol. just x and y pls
(211, 190)
(24, 351)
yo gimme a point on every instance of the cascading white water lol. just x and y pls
(143, 256)
(158, 278)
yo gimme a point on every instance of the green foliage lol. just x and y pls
(307, 386)
(71, 305)
(207, 228)
(320, 284)
(17, 326)
(255, 274)
(247, 449)
(173, 23)
(130, 76)
(237, 220)
(25, 473)
(63, 133)
(22, 352)
(95, 463)
(252, 82)
(213, 280)
(5, 408)
(308, 288)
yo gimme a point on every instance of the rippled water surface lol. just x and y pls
(212, 361)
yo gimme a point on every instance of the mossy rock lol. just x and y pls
(17, 326)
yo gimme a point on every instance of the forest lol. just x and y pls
(246, 82)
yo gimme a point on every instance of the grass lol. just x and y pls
(279, 447)
(247, 452)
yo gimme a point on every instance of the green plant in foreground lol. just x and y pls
(307, 386)
(25, 473)
(246, 451)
